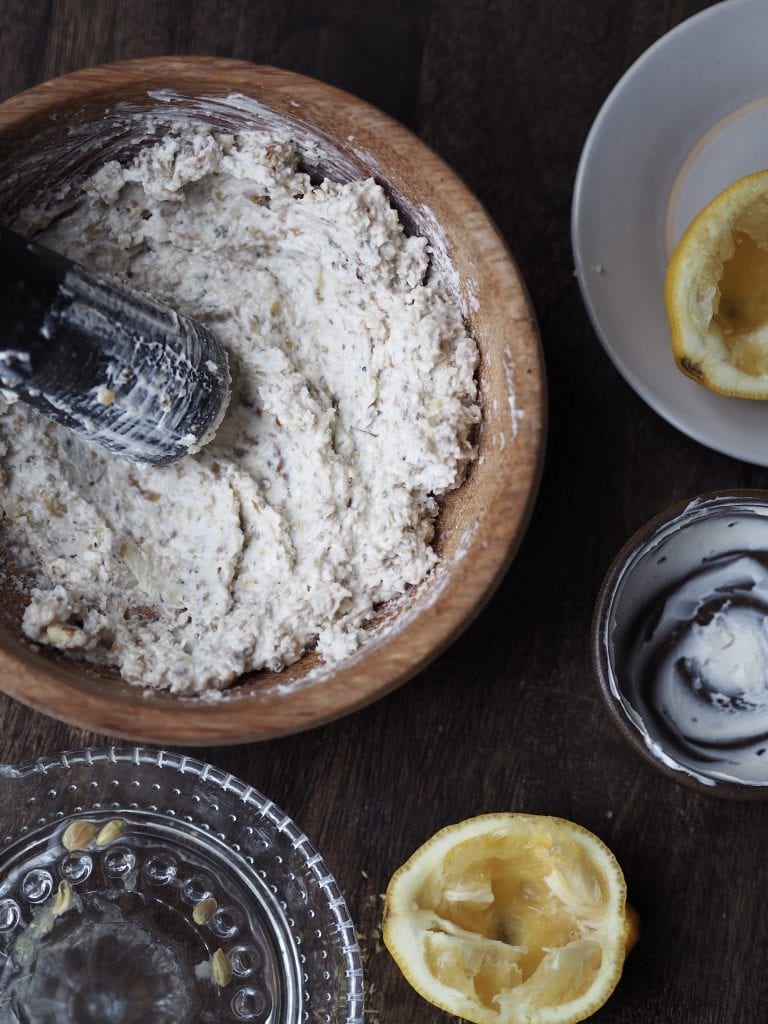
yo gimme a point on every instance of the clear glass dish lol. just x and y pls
(201, 901)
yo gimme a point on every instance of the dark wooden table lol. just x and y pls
(509, 717)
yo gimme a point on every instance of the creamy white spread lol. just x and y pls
(699, 666)
(730, 652)
(353, 404)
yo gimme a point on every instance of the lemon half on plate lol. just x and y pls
(716, 292)
(511, 919)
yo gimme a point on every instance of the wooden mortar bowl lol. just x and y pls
(62, 130)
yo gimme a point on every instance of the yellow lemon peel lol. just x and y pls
(716, 292)
(511, 919)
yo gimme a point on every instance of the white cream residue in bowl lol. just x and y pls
(354, 399)
(688, 642)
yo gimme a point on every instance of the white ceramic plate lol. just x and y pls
(689, 117)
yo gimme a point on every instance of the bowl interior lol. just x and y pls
(53, 136)
(678, 631)
(160, 833)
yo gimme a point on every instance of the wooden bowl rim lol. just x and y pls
(169, 720)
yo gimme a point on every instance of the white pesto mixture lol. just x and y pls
(353, 401)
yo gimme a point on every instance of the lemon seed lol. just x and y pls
(110, 832)
(220, 968)
(204, 910)
(78, 834)
(63, 900)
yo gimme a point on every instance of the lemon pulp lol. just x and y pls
(716, 292)
(511, 918)
(743, 306)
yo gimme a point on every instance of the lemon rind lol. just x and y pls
(403, 941)
(690, 295)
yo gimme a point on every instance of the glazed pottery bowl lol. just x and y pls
(62, 130)
(680, 643)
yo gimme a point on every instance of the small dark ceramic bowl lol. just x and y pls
(679, 634)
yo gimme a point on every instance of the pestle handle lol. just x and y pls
(123, 371)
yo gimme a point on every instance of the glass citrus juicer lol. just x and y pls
(144, 886)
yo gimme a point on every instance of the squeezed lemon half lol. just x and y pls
(511, 919)
(716, 292)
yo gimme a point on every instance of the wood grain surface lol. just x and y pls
(509, 717)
